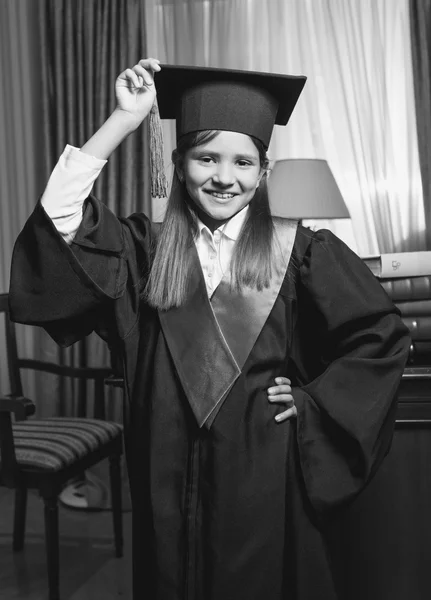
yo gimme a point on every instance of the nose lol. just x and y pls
(224, 175)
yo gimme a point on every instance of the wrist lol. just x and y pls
(110, 135)
(126, 120)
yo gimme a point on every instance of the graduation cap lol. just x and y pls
(202, 98)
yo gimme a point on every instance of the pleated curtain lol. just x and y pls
(21, 178)
(420, 28)
(85, 45)
(59, 60)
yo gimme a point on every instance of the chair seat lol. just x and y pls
(53, 444)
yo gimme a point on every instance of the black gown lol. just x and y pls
(238, 510)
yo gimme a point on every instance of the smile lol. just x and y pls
(221, 196)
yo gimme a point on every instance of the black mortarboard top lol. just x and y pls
(245, 101)
(249, 102)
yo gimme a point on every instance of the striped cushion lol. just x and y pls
(52, 444)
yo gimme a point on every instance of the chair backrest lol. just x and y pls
(11, 348)
(100, 375)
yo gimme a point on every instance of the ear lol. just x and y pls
(259, 179)
(180, 173)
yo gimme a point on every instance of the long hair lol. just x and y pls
(171, 265)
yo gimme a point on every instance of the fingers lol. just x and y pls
(150, 63)
(281, 390)
(141, 74)
(282, 394)
(146, 69)
(132, 78)
(144, 77)
(282, 380)
(281, 399)
(287, 414)
(282, 387)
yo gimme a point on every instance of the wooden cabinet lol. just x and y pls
(385, 535)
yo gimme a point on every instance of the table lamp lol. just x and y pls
(304, 188)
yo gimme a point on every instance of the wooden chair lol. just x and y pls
(46, 454)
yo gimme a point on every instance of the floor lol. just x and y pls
(88, 568)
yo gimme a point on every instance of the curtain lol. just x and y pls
(59, 61)
(20, 168)
(85, 44)
(420, 27)
(357, 108)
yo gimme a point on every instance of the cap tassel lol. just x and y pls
(159, 184)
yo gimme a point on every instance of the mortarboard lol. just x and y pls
(201, 98)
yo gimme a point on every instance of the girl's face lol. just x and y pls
(222, 175)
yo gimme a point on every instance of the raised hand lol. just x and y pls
(135, 89)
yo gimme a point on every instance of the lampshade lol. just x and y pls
(304, 188)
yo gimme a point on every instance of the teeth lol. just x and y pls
(222, 196)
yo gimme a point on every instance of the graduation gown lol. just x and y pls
(237, 510)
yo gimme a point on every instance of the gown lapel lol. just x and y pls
(204, 362)
(210, 341)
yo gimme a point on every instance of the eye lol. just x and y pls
(206, 159)
(244, 163)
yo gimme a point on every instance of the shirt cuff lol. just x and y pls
(69, 185)
(72, 155)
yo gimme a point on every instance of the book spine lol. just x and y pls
(415, 308)
(408, 288)
(421, 347)
(420, 353)
(405, 264)
(420, 327)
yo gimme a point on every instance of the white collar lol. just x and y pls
(231, 228)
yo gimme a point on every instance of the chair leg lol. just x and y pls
(52, 545)
(19, 518)
(115, 477)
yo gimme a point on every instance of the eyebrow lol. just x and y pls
(250, 157)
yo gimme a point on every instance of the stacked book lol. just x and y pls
(406, 278)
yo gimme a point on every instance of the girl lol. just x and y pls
(229, 322)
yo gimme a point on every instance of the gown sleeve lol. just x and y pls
(70, 289)
(351, 348)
